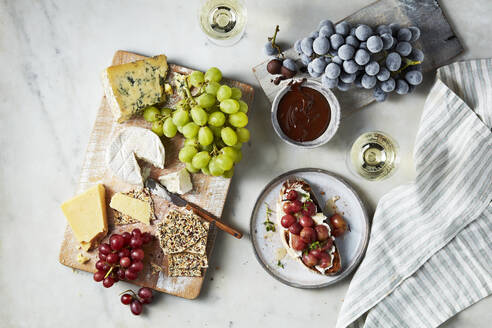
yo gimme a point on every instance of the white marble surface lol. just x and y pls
(52, 53)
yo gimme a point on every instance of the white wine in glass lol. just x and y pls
(223, 21)
(373, 156)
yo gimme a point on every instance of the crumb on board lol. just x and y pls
(280, 253)
(81, 258)
(156, 268)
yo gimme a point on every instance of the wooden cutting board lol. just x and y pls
(209, 192)
(438, 42)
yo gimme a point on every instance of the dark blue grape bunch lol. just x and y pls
(382, 59)
(286, 67)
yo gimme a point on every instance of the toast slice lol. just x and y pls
(328, 245)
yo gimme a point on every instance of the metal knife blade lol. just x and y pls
(158, 189)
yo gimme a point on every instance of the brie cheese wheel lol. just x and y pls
(132, 143)
(178, 182)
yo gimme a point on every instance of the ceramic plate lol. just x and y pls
(327, 187)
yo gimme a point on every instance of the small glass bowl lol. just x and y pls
(332, 126)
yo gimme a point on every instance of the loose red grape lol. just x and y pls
(117, 242)
(325, 260)
(306, 221)
(309, 208)
(99, 275)
(136, 232)
(125, 262)
(287, 220)
(309, 259)
(339, 225)
(297, 243)
(322, 233)
(125, 252)
(102, 256)
(136, 242)
(287, 209)
(108, 282)
(295, 228)
(146, 300)
(130, 275)
(105, 248)
(112, 258)
(296, 206)
(136, 307)
(136, 267)
(126, 237)
(146, 237)
(292, 195)
(137, 254)
(126, 299)
(145, 292)
(308, 235)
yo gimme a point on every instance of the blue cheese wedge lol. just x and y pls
(131, 87)
(178, 182)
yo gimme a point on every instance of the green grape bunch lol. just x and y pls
(212, 118)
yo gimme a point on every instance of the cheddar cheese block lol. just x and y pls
(86, 215)
(135, 208)
(131, 87)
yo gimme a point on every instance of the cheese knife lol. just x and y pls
(159, 190)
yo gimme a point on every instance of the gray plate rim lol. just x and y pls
(361, 249)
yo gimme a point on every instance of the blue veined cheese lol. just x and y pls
(131, 87)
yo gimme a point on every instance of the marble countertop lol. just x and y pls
(52, 53)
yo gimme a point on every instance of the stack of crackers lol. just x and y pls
(183, 238)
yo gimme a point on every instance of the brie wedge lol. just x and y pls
(178, 182)
(132, 143)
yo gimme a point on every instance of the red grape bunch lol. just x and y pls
(136, 301)
(122, 257)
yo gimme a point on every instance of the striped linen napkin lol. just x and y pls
(430, 251)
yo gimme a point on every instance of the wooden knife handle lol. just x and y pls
(212, 219)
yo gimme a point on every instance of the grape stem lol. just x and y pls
(214, 151)
(188, 93)
(274, 44)
(109, 271)
(408, 63)
(131, 291)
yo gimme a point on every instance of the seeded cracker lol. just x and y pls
(179, 231)
(185, 273)
(199, 248)
(187, 261)
(143, 195)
